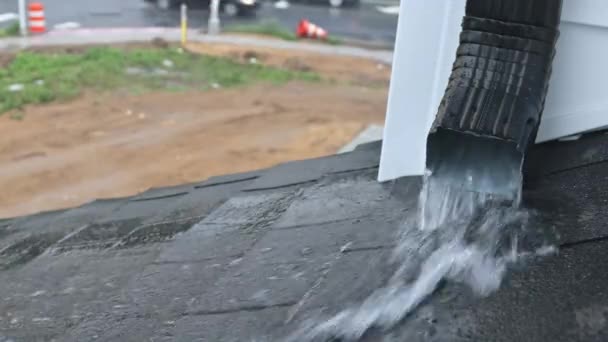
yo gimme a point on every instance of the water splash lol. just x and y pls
(459, 236)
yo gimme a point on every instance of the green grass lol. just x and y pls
(333, 41)
(264, 28)
(48, 77)
(11, 31)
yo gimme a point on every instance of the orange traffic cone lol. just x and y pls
(306, 29)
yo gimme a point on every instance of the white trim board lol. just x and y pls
(426, 43)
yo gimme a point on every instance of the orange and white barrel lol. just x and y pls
(37, 21)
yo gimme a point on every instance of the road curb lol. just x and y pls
(86, 36)
(369, 45)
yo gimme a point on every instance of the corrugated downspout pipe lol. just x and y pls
(493, 103)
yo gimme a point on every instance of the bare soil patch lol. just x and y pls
(118, 144)
(336, 68)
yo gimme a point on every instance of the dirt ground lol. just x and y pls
(343, 69)
(111, 145)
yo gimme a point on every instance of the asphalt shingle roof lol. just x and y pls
(249, 257)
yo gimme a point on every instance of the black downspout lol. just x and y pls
(493, 103)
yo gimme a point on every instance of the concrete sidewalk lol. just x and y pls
(124, 35)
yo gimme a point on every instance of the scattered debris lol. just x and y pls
(128, 112)
(141, 116)
(250, 55)
(134, 71)
(160, 72)
(253, 60)
(296, 64)
(160, 43)
(6, 59)
(380, 66)
(15, 87)
(17, 116)
(168, 63)
(39, 82)
(180, 50)
(215, 85)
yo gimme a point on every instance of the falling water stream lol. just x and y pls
(458, 236)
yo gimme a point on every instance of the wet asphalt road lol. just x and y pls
(362, 23)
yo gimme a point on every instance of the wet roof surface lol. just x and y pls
(251, 256)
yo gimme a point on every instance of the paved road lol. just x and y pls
(363, 23)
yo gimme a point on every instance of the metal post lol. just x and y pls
(23, 17)
(214, 18)
(184, 23)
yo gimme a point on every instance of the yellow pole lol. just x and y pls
(184, 24)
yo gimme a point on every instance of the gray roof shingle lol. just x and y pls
(251, 256)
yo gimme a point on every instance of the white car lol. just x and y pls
(229, 7)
